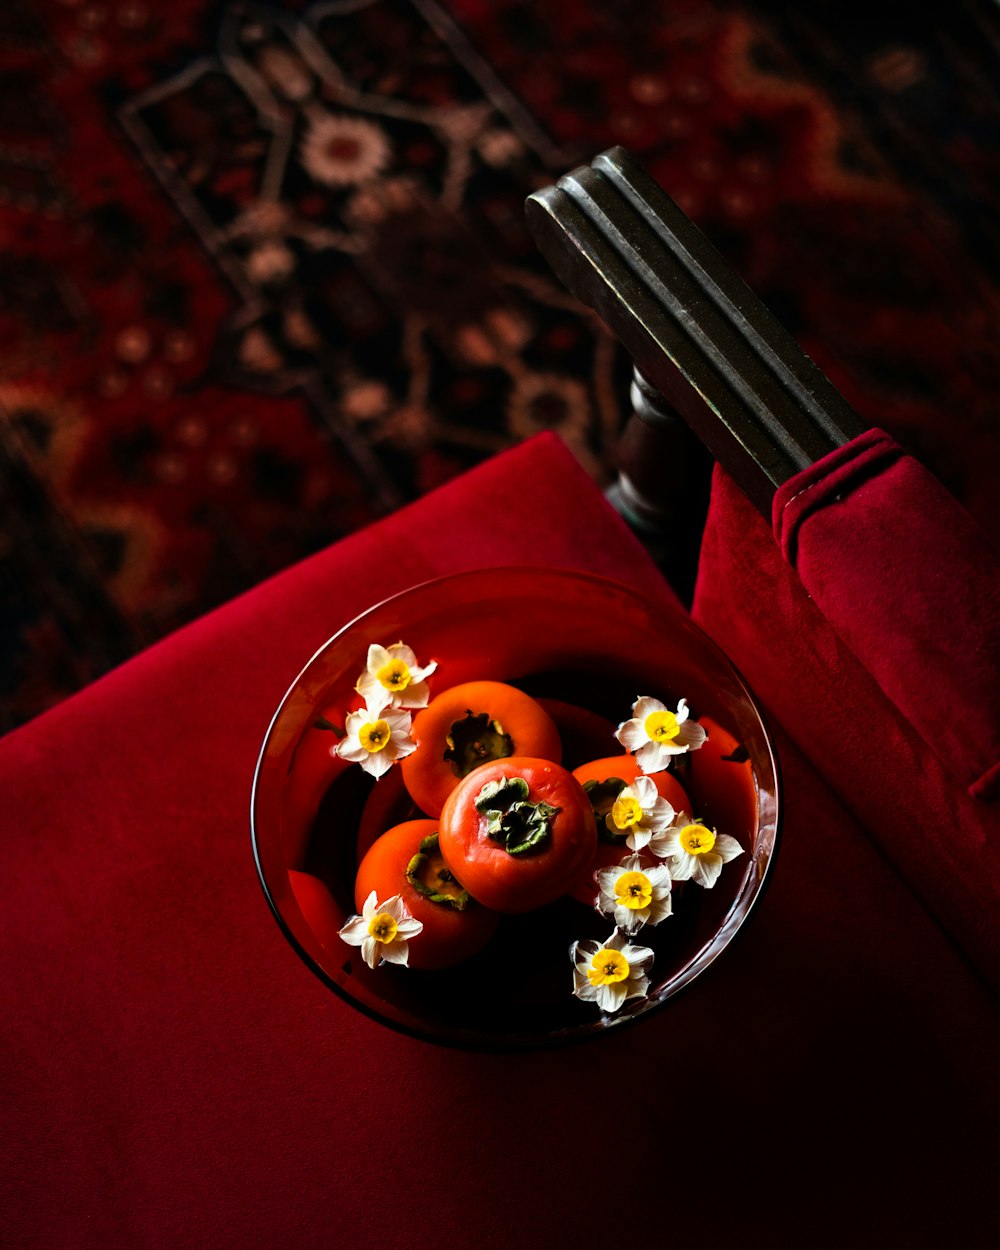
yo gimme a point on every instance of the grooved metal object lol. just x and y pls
(694, 329)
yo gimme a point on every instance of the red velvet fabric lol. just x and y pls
(175, 1077)
(944, 842)
(912, 586)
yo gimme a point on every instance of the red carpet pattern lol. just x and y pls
(265, 273)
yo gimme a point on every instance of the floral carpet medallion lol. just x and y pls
(359, 174)
(264, 270)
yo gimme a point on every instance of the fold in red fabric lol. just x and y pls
(945, 843)
(174, 1076)
(912, 585)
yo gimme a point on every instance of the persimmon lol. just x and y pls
(724, 775)
(467, 726)
(406, 861)
(518, 832)
(600, 780)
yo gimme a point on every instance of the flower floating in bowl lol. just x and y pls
(510, 826)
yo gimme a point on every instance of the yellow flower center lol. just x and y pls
(634, 890)
(626, 812)
(382, 927)
(394, 676)
(696, 839)
(661, 726)
(607, 967)
(375, 736)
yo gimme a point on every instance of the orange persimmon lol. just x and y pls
(518, 832)
(722, 771)
(621, 768)
(406, 861)
(467, 726)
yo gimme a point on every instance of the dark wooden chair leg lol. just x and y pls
(664, 474)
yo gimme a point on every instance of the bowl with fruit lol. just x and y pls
(515, 807)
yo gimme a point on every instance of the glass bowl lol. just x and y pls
(587, 647)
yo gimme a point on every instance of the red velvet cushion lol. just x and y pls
(175, 1077)
(944, 842)
(910, 583)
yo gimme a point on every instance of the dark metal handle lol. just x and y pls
(694, 329)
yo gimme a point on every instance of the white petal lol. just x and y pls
(350, 749)
(409, 927)
(676, 747)
(682, 712)
(643, 791)
(376, 703)
(606, 878)
(692, 736)
(367, 686)
(401, 750)
(615, 942)
(370, 907)
(707, 870)
(582, 953)
(660, 815)
(583, 988)
(395, 952)
(377, 764)
(417, 694)
(421, 674)
(400, 651)
(659, 876)
(611, 997)
(638, 837)
(660, 909)
(355, 931)
(682, 867)
(354, 720)
(726, 847)
(399, 742)
(665, 843)
(645, 706)
(369, 950)
(397, 719)
(394, 907)
(638, 956)
(653, 757)
(377, 657)
(629, 921)
(637, 986)
(631, 735)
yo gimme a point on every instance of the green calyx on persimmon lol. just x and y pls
(451, 933)
(519, 825)
(474, 740)
(468, 727)
(548, 816)
(428, 874)
(602, 795)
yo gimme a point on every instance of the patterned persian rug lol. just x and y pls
(264, 273)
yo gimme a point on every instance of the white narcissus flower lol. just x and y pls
(609, 973)
(639, 811)
(392, 674)
(382, 931)
(693, 852)
(634, 894)
(376, 736)
(655, 734)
